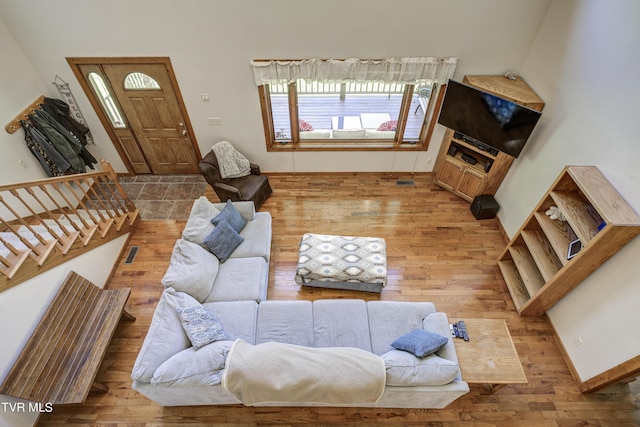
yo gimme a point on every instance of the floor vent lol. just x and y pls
(405, 182)
(132, 254)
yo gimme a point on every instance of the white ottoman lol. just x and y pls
(342, 262)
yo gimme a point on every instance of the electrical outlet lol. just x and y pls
(578, 341)
(22, 163)
(214, 121)
(429, 160)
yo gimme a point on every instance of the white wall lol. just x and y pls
(586, 64)
(211, 44)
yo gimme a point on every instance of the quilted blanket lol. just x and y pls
(272, 373)
(231, 162)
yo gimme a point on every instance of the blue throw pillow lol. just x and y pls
(201, 326)
(420, 343)
(223, 240)
(231, 215)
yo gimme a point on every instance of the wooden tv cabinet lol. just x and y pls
(467, 180)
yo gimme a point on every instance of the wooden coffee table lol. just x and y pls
(489, 357)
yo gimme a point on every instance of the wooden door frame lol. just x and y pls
(76, 62)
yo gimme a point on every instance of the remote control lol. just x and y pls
(463, 329)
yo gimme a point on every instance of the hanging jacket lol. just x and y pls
(68, 148)
(50, 159)
(60, 111)
(83, 153)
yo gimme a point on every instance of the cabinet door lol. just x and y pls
(471, 184)
(449, 174)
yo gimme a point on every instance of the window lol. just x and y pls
(137, 81)
(369, 112)
(108, 104)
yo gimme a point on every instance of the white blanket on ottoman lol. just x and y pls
(274, 372)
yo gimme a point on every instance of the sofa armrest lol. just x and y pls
(438, 323)
(255, 169)
(247, 209)
(229, 192)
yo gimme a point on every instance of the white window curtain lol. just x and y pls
(389, 70)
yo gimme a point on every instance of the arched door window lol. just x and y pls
(137, 81)
(108, 104)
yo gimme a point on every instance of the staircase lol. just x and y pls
(47, 222)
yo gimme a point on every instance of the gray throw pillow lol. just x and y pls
(201, 326)
(223, 240)
(231, 215)
(420, 343)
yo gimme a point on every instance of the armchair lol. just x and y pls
(253, 187)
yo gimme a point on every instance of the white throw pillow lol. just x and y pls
(165, 337)
(194, 367)
(405, 369)
(199, 223)
(192, 269)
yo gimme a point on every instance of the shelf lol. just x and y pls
(529, 273)
(478, 166)
(535, 265)
(473, 148)
(514, 283)
(543, 254)
(580, 214)
(557, 234)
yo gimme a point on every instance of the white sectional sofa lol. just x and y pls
(170, 372)
(174, 368)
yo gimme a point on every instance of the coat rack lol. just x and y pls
(14, 124)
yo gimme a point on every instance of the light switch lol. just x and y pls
(214, 121)
(204, 97)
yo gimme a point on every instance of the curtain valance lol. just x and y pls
(389, 70)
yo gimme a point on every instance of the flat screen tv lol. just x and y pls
(487, 118)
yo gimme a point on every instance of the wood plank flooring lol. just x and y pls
(437, 251)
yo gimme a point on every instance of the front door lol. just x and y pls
(153, 135)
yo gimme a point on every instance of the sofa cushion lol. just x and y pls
(231, 215)
(389, 320)
(199, 224)
(380, 134)
(316, 134)
(201, 325)
(165, 337)
(192, 269)
(341, 323)
(241, 279)
(257, 238)
(194, 367)
(288, 322)
(238, 317)
(420, 343)
(405, 369)
(223, 240)
(348, 134)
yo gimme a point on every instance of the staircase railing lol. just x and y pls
(40, 218)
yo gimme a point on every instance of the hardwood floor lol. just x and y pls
(437, 251)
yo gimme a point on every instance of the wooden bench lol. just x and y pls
(61, 359)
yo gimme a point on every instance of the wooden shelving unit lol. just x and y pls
(452, 173)
(534, 264)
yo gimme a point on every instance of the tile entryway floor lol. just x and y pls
(164, 196)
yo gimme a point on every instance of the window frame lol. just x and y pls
(294, 143)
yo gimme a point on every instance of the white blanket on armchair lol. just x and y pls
(285, 373)
(231, 163)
